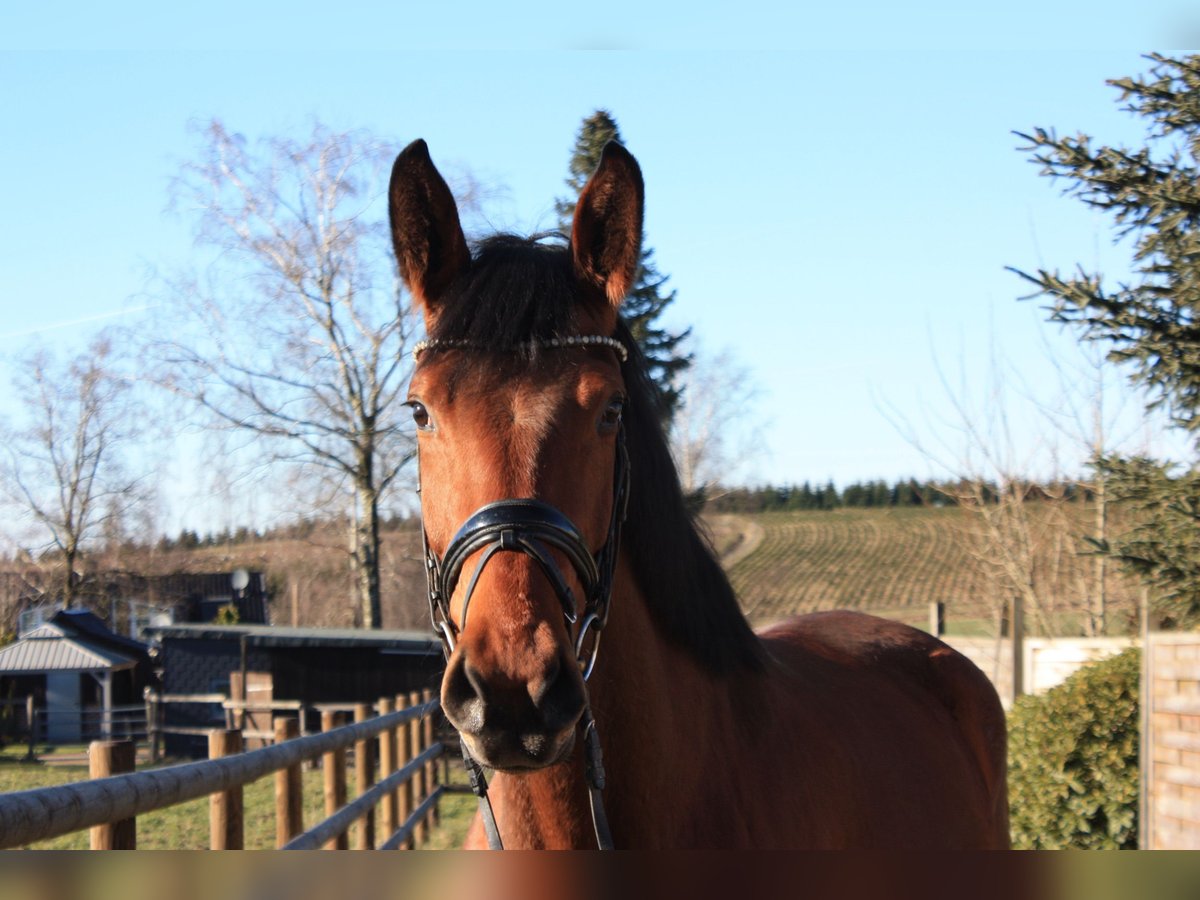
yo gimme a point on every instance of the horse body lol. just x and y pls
(831, 730)
(859, 732)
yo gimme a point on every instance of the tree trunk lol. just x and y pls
(1100, 597)
(70, 555)
(366, 553)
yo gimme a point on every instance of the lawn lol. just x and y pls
(185, 827)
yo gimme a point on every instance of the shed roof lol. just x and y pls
(416, 642)
(50, 648)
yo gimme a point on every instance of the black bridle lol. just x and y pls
(532, 527)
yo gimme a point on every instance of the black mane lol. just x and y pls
(520, 290)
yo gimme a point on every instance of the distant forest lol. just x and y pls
(866, 495)
(716, 499)
(307, 528)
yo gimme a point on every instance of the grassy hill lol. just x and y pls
(897, 561)
(855, 559)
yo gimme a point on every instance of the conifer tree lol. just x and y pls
(649, 297)
(1152, 323)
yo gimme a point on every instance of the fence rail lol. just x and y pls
(35, 815)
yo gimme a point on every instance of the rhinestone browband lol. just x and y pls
(579, 340)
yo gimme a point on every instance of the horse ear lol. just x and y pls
(427, 235)
(606, 237)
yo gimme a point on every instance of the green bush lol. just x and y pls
(1073, 760)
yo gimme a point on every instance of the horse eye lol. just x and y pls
(612, 415)
(420, 415)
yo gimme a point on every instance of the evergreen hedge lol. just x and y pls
(1073, 760)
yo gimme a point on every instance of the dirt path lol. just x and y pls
(734, 537)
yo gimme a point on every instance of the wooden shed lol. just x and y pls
(77, 672)
(310, 665)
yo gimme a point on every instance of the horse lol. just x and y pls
(553, 516)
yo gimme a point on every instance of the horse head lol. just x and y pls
(518, 399)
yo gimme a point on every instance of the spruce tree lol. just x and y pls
(649, 296)
(1152, 323)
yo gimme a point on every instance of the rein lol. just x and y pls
(532, 527)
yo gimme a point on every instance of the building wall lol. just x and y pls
(193, 666)
(314, 674)
(1046, 662)
(1171, 742)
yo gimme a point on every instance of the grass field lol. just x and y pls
(854, 559)
(185, 827)
(890, 561)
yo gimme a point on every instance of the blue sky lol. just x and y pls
(835, 192)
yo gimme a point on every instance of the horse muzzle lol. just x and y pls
(514, 724)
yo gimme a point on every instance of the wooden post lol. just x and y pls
(404, 757)
(289, 788)
(431, 766)
(364, 772)
(112, 758)
(225, 808)
(937, 619)
(389, 810)
(420, 788)
(334, 764)
(148, 697)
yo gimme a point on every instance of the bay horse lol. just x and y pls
(553, 515)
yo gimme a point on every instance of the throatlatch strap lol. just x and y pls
(480, 788)
(594, 760)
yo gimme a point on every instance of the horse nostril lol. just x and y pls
(558, 696)
(540, 688)
(475, 679)
(462, 696)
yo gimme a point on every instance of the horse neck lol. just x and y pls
(655, 709)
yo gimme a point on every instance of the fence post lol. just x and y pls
(160, 724)
(364, 771)
(937, 618)
(289, 788)
(389, 809)
(431, 766)
(112, 758)
(404, 744)
(420, 788)
(225, 808)
(148, 696)
(334, 764)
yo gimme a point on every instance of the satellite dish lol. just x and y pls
(240, 579)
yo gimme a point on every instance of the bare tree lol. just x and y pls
(1088, 410)
(63, 465)
(297, 333)
(713, 432)
(1022, 525)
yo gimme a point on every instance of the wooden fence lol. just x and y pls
(402, 801)
(27, 723)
